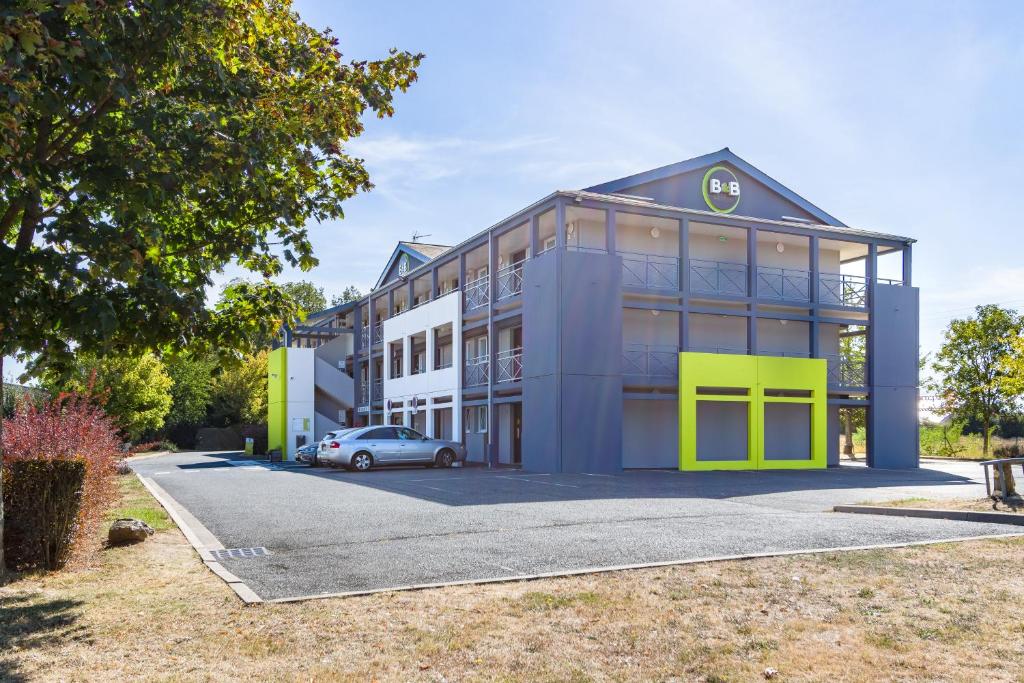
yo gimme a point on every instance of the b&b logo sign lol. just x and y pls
(721, 189)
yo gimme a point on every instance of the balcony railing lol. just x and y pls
(650, 360)
(650, 271)
(509, 365)
(844, 371)
(476, 371)
(742, 351)
(364, 394)
(784, 354)
(718, 277)
(364, 337)
(510, 280)
(378, 390)
(842, 290)
(783, 284)
(476, 294)
(378, 333)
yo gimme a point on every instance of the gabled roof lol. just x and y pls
(724, 154)
(417, 250)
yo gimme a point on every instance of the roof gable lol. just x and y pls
(681, 184)
(406, 257)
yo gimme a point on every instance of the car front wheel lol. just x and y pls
(445, 458)
(362, 462)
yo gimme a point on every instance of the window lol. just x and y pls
(406, 434)
(476, 420)
(379, 434)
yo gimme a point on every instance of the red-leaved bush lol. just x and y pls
(70, 427)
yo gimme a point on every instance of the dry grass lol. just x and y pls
(970, 504)
(153, 611)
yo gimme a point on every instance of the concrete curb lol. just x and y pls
(644, 565)
(957, 515)
(200, 538)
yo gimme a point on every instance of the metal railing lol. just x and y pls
(378, 390)
(650, 271)
(889, 281)
(378, 333)
(510, 280)
(364, 337)
(783, 284)
(445, 363)
(476, 371)
(842, 290)
(784, 354)
(719, 349)
(509, 365)
(364, 394)
(650, 360)
(718, 277)
(476, 294)
(846, 372)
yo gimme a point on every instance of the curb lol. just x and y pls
(201, 539)
(957, 515)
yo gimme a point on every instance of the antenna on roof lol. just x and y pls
(416, 236)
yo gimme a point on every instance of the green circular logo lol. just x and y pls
(721, 189)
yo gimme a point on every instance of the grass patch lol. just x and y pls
(136, 502)
(965, 504)
(151, 611)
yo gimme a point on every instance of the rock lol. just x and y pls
(126, 531)
(770, 673)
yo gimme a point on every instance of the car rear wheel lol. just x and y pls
(445, 458)
(362, 461)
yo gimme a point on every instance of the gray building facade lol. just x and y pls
(551, 340)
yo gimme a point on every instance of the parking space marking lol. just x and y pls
(542, 483)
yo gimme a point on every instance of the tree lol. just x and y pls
(350, 293)
(134, 392)
(145, 146)
(192, 377)
(974, 366)
(303, 295)
(853, 348)
(239, 392)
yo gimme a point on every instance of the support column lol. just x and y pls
(492, 289)
(609, 230)
(684, 284)
(907, 280)
(752, 290)
(812, 295)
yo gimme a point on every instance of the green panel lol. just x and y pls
(277, 399)
(756, 374)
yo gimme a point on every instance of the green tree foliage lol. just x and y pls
(145, 146)
(239, 392)
(975, 367)
(350, 293)
(192, 377)
(303, 295)
(135, 391)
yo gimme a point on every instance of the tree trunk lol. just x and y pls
(984, 436)
(847, 433)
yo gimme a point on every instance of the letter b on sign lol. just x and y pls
(714, 186)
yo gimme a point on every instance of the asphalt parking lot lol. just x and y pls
(333, 531)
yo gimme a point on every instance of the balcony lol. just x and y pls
(476, 294)
(378, 333)
(648, 360)
(364, 337)
(364, 394)
(476, 371)
(842, 290)
(718, 277)
(510, 280)
(844, 371)
(649, 271)
(378, 390)
(719, 349)
(509, 365)
(783, 284)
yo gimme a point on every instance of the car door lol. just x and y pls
(382, 443)
(412, 447)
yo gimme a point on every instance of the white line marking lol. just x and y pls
(542, 483)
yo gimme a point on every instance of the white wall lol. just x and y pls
(299, 411)
(423, 319)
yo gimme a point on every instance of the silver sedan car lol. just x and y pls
(362, 448)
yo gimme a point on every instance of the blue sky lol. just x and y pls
(897, 117)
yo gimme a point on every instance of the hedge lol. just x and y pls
(42, 500)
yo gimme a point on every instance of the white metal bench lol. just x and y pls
(988, 464)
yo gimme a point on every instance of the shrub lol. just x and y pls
(43, 500)
(1012, 450)
(69, 427)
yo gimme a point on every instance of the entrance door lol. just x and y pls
(517, 433)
